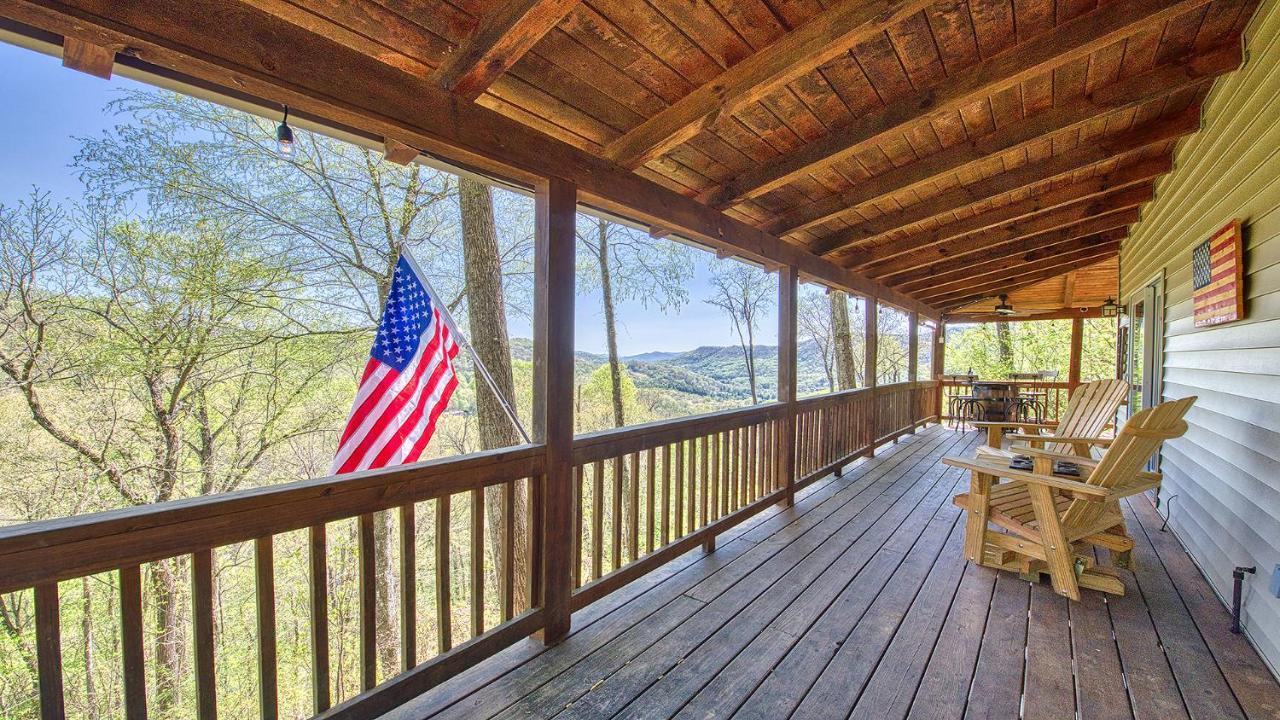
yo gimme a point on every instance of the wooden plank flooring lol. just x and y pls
(857, 603)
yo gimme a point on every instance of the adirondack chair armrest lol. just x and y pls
(1049, 425)
(1142, 482)
(1079, 489)
(1099, 441)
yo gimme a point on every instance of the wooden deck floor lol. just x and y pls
(857, 604)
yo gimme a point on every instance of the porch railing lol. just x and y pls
(643, 495)
(1055, 399)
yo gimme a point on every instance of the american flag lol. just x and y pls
(1217, 277)
(407, 382)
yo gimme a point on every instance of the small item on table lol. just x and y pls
(1062, 467)
(1021, 462)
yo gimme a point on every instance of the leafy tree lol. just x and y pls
(744, 293)
(171, 363)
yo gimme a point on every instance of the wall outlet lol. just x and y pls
(1275, 582)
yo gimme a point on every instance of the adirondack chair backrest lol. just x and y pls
(1138, 440)
(1088, 411)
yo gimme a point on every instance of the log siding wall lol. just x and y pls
(1225, 471)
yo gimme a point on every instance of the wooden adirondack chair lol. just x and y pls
(1048, 523)
(1089, 409)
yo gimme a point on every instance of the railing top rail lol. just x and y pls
(70, 547)
(611, 443)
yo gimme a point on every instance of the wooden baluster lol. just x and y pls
(616, 509)
(691, 507)
(704, 499)
(507, 571)
(477, 561)
(714, 478)
(133, 658)
(321, 697)
(368, 603)
(202, 634)
(678, 493)
(726, 476)
(597, 519)
(408, 587)
(739, 454)
(666, 494)
(634, 524)
(533, 538)
(575, 550)
(49, 651)
(651, 468)
(444, 601)
(264, 572)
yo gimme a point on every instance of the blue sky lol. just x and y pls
(38, 145)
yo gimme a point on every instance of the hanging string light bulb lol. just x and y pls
(284, 136)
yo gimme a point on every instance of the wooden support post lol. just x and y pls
(787, 283)
(49, 651)
(553, 395)
(1077, 346)
(871, 319)
(913, 345)
(939, 361)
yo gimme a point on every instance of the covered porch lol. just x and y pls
(797, 557)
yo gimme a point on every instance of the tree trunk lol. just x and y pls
(488, 324)
(1004, 344)
(86, 629)
(843, 339)
(168, 639)
(615, 369)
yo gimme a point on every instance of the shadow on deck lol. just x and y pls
(858, 603)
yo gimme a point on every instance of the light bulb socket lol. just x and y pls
(284, 135)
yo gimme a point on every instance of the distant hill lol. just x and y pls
(711, 372)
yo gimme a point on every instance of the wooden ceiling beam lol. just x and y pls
(959, 278)
(821, 39)
(1102, 223)
(1124, 94)
(1096, 151)
(1016, 279)
(994, 239)
(872, 259)
(500, 40)
(239, 51)
(1072, 40)
(960, 317)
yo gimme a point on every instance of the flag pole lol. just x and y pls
(475, 358)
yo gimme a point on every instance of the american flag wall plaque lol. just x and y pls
(1217, 276)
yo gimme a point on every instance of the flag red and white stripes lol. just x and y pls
(407, 382)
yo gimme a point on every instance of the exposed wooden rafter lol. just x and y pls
(975, 270)
(874, 259)
(821, 39)
(1096, 151)
(1022, 277)
(1125, 94)
(1072, 40)
(500, 40)
(921, 276)
(1030, 228)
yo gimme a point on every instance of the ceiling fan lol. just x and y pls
(1004, 307)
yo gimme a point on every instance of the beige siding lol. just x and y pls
(1226, 470)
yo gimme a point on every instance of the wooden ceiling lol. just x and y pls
(946, 149)
(1078, 293)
